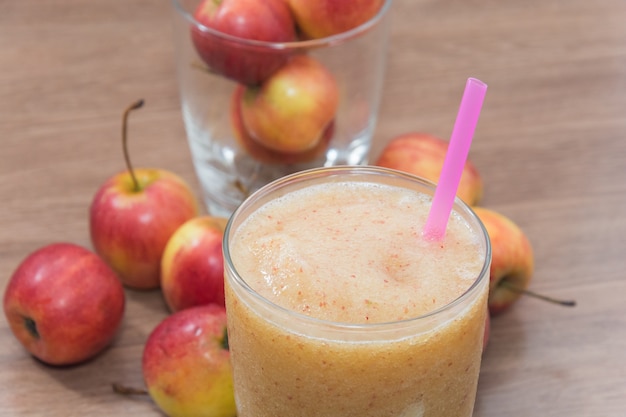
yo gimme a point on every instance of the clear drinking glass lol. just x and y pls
(229, 168)
(301, 363)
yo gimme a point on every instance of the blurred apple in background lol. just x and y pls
(291, 110)
(64, 304)
(512, 260)
(133, 215)
(192, 267)
(186, 364)
(269, 156)
(322, 18)
(423, 155)
(267, 20)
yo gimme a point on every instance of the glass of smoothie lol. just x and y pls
(339, 307)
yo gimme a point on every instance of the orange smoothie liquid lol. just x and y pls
(343, 326)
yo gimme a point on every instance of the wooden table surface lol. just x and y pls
(550, 145)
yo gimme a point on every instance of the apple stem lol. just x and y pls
(241, 188)
(203, 68)
(135, 105)
(224, 343)
(511, 287)
(124, 390)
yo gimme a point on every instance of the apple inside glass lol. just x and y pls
(323, 18)
(264, 154)
(291, 111)
(223, 21)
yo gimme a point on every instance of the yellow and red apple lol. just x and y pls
(132, 216)
(267, 20)
(322, 18)
(64, 304)
(186, 364)
(423, 155)
(266, 155)
(130, 226)
(512, 260)
(291, 111)
(192, 266)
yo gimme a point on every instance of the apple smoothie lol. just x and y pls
(337, 306)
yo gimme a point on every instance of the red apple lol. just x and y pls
(64, 304)
(422, 154)
(132, 216)
(192, 267)
(266, 155)
(292, 109)
(322, 18)
(512, 260)
(186, 364)
(267, 20)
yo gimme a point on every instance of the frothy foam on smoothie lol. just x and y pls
(328, 254)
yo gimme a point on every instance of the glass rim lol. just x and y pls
(345, 326)
(292, 45)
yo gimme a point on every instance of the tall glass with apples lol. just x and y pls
(337, 305)
(273, 87)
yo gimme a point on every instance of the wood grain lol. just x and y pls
(550, 145)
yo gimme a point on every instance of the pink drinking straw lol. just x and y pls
(458, 148)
